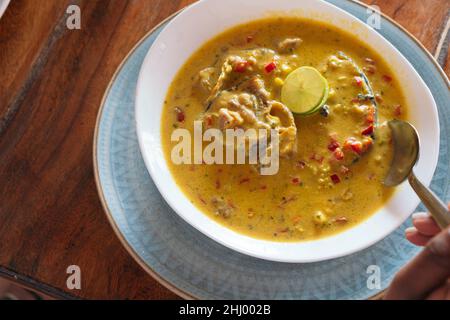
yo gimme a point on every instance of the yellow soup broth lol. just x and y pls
(315, 193)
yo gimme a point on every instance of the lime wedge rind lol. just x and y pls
(321, 104)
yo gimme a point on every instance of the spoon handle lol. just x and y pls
(437, 208)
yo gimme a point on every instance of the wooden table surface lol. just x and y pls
(52, 80)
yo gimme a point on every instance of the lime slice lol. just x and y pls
(304, 91)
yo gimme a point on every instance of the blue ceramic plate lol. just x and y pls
(194, 266)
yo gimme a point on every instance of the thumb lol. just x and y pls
(427, 271)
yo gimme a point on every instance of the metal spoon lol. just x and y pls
(406, 154)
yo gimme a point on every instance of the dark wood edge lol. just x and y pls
(35, 285)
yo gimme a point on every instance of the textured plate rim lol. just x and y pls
(167, 284)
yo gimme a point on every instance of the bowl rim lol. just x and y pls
(3, 6)
(223, 239)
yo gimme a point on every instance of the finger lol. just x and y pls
(425, 272)
(441, 293)
(425, 224)
(415, 237)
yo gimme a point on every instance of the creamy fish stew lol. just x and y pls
(333, 158)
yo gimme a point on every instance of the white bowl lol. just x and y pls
(207, 18)
(3, 5)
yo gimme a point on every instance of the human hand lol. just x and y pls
(427, 276)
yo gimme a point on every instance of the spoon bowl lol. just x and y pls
(406, 154)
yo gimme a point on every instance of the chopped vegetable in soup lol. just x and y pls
(327, 95)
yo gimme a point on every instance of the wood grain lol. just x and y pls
(447, 64)
(51, 216)
(424, 19)
(51, 84)
(22, 49)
